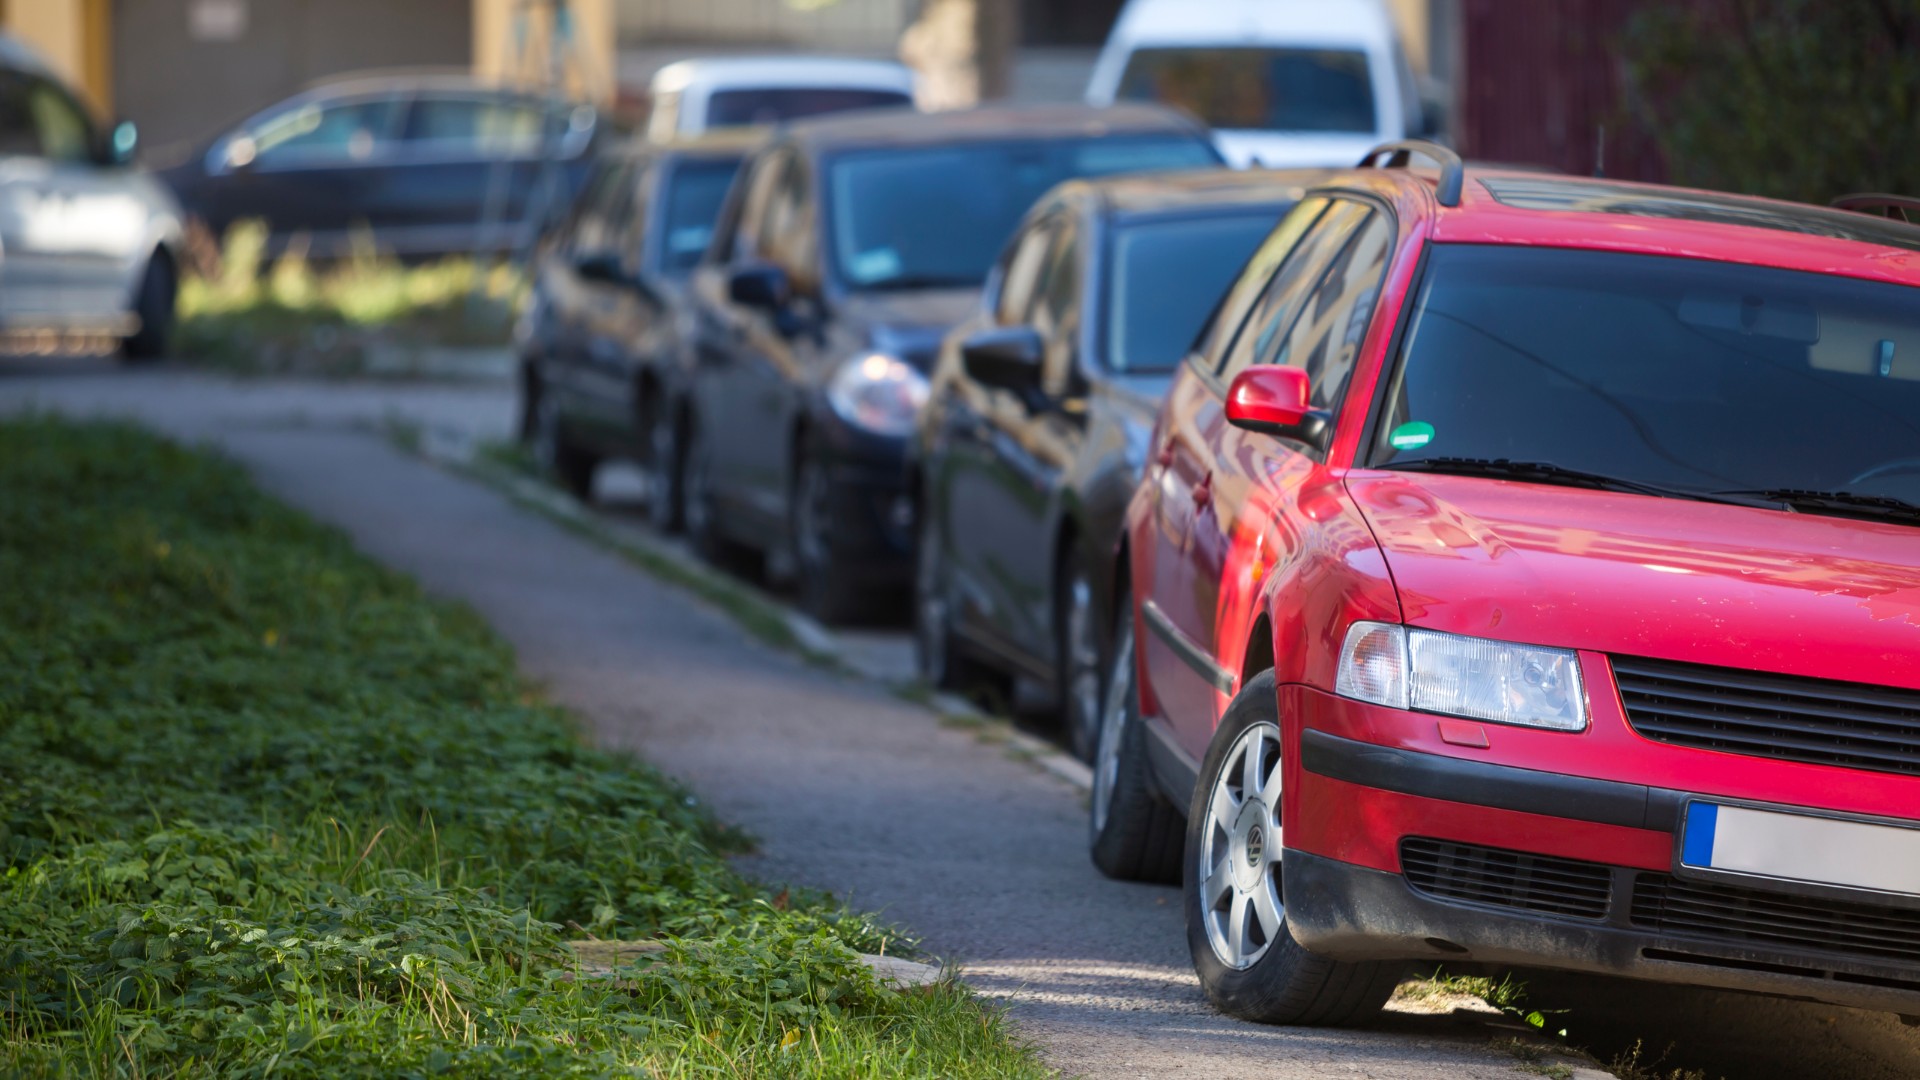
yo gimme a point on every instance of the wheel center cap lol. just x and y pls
(1250, 844)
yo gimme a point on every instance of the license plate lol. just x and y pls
(1801, 848)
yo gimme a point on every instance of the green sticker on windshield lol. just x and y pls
(1411, 435)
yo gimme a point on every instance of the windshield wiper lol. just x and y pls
(1853, 504)
(1546, 472)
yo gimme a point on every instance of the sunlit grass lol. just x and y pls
(252, 313)
(265, 808)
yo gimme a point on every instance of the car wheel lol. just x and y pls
(1079, 665)
(826, 586)
(703, 526)
(1135, 835)
(155, 305)
(570, 466)
(1248, 962)
(666, 491)
(942, 665)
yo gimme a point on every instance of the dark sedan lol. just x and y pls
(851, 246)
(600, 337)
(1042, 406)
(429, 164)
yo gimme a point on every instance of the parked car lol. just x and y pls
(600, 338)
(1282, 85)
(692, 96)
(89, 243)
(1041, 405)
(1526, 573)
(427, 164)
(851, 245)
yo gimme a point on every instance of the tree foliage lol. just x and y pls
(1797, 99)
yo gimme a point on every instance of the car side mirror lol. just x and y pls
(1273, 400)
(123, 142)
(1006, 358)
(759, 286)
(1433, 119)
(600, 266)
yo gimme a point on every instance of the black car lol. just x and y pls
(850, 246)
(600, 336)
(1041, 408)
(430, 164)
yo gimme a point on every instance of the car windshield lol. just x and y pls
(1166, 276)
(695, 191)
(773, 105)
(1246, 88)
(927, 217)
(1674, 372)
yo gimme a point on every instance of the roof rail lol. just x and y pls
(1453, 171)
(1887, 206)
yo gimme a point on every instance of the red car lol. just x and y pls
(1527, 571)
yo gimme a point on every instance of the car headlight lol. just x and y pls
(881, 393)
(1478, 678)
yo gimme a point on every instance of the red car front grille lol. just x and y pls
(1818, 721)
(1731, 914)
(1511, 879)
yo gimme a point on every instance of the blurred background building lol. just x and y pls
(1523, 83)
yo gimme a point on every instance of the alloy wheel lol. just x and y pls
(930, 604)
(1081, 655)
(1239, 870)
(546, 432)
(1113, 726)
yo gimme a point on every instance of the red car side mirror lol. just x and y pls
(1272, 400)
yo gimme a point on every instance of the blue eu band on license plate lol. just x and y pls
(1801, 848)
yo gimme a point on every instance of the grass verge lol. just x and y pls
(266, 808)
(366, 314)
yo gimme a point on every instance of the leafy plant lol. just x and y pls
(244, 311)
(1798, 99)
(266, 808)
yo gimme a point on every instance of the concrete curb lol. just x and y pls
(455, 450)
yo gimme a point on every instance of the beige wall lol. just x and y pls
(512, 41)
(72, 35)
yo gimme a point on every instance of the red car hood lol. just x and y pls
(1671, 579)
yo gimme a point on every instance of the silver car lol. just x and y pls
(89, 244)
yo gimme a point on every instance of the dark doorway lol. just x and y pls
(1067, 22)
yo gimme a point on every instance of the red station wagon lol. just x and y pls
(1527, 571)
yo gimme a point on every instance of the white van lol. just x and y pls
(694, 96)
(1283, 83)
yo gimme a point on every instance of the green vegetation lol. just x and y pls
(368, 313)
(1798, 99)
(265, 808)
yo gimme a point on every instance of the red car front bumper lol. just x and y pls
(1557, 850)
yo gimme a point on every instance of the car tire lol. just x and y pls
(942, 663)
(156, 305)
(1248, 961)
(666, 479)
(701, 510)
(1080, 666)
(1134, 834)
(570, 466)
(826, 585)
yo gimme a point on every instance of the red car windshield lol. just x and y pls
(1668, 372)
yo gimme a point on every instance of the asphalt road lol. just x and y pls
(856, 791)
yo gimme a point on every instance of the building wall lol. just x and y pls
(514, 42)
(183, 79)
(1539, 82)
(852, 26)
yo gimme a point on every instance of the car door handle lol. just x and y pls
(1203, 491)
